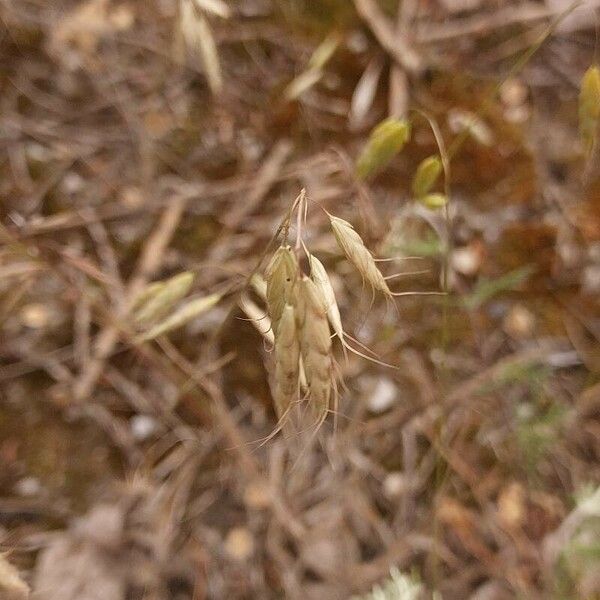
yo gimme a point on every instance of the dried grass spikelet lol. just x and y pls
(258, 318)
(287, 357)
(315, 347)
(159, 299)
(358, 254)
(281, 274)
(183, 315)
(589, 107)
(321, 278)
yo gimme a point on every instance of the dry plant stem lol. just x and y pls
(263, 182)
(480, 24)
(233, 434)
(399, 48)
(149, 262)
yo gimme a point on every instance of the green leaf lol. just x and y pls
(486, 289)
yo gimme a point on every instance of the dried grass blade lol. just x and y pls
(216, 7)
(183, 315)
(199, 38)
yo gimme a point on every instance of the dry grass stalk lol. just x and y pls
(315, 347)
(198, 38)
(287, 356)
(280, 275)
(357, 253)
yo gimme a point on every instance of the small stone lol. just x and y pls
(468, 259)
(143, 427)
(257, 495)
(519, 322)
(239, 543)
(28, 487)
(132, 197)
(513, 92)
(383, 395)
(394, 484)
(35, 315)
(511, 505)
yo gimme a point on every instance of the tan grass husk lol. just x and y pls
(280, 275)
(315, 347)
(358, 254)
(163, 297)
(321, 278)
(287, 356)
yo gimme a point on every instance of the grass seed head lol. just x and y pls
(280, 275)
(287, 357)
(357, 253)
(386, 140)
(163, 297)
(426, 176)
(321, 279)
(315, 347)
(434, 200)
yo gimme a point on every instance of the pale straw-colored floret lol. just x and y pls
(280, 275)
(287, 356)
(357, 253)
(321, 278)
(315, 347)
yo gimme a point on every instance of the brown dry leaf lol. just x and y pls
(464, 523)
(12, 587)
